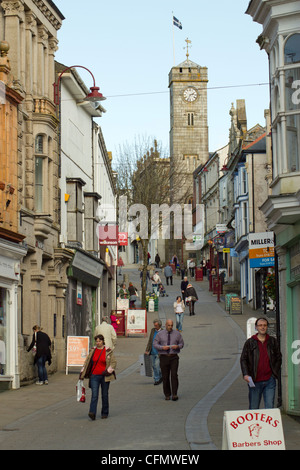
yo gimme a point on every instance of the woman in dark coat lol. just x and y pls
(191, 297)
(41, 343)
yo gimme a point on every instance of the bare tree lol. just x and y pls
(143, 176)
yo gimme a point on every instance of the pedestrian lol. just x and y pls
(41, 345)
(123, 292)
(183, 287)
(154, 357)
(132, 295)
(99, 368)
(179, 312)
(192, 267)
(120, 264)
(155, 281)
(157, 260)
(114, 322)
(168, 272)
(108, 331)
(169, 343)
(182, 270)
(191, 297)
(260, 363)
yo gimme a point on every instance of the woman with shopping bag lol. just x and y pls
(99, 368)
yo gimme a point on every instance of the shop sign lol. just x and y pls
(261, 250)
(123, 238)
(108, 234)
(221, 228)
(253, 430)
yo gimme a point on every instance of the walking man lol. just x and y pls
(168, 272)
(168, 343)
(260, 363)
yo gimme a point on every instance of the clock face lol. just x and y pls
(190, 94)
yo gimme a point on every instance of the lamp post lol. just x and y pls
(94, 94)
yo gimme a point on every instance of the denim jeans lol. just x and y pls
(179, 320)
(42, 371)
(267, 390)
(95, 382)
(156, 367)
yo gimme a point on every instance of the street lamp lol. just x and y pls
(94, 94)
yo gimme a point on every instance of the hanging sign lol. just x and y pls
(261, 250)
(253, 430)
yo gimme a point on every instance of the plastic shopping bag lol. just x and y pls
(80, 391)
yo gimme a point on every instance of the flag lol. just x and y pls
(177, 23)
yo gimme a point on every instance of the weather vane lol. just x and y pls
(187, 47)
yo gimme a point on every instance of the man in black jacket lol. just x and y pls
(260, 363)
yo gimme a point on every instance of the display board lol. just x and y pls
(77, 351)
(253, 430)
(235, 306)
(136, 322)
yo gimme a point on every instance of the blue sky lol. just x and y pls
(128, 46)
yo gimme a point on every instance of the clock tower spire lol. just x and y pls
(188, 132)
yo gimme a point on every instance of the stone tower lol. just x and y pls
(188, 126)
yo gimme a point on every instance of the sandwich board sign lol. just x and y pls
(253, 430)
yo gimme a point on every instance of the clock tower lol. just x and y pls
(189, 128)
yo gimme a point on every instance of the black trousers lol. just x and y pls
(169, 370)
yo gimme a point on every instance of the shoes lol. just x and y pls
(92, 416)
(104, 417)
(174, 397)
(39, 383)
(46, 382)
(158, 381)
(167, 398)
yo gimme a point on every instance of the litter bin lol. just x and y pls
(199, 274)
(120, 319)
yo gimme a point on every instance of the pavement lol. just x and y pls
(203, 421)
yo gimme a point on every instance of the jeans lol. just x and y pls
(267, 390)
(156, 367)
(179, 321)
(95, 382)
(42, 371)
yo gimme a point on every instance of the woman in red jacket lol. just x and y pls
(99, 367)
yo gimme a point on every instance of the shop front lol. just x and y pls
(84, 276)
(11, 255)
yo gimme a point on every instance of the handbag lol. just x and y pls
(80, 391)
(191, 298)
(133, 298)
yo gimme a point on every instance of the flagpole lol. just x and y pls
(173, 38)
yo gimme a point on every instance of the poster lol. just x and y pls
(77, 351)
(136, 322)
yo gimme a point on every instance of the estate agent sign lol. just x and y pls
(261, 250)
(253, 430)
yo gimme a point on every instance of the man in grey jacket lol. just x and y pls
(168, 272)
